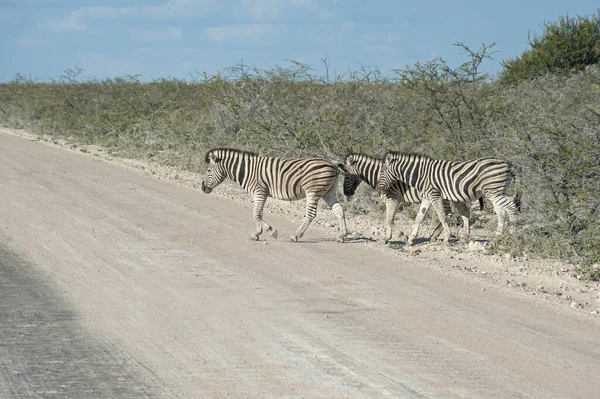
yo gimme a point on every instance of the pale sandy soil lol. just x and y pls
(554, 281)
(165, 276)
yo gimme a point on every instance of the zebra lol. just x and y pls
(362, 167)
(460, 182)
(284, 179)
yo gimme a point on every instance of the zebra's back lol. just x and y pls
(293, 179)
(469, 180)
(367, 168)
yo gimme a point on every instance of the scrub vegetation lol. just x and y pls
(546, 122)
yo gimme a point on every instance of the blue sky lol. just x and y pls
(176, 38)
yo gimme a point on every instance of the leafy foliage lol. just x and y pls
(565, 47)
(548, 128)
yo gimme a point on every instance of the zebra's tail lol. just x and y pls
(517, 200)
(481, 203)
(517, 197)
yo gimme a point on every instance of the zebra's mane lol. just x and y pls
(358, 154)
(231, 150)
(400, 154)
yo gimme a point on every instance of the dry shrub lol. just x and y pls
(548, 128)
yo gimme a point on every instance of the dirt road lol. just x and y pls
(117, 285)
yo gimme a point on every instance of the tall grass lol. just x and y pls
(548, 128)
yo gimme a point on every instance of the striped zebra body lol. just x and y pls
(460, 182)
(362, 167)
(284, 179)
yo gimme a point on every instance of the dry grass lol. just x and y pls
(548, 128)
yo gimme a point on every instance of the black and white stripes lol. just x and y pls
(399, 177)
(284, 179)
(362, 167)
(460, 182)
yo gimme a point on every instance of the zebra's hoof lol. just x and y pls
(254, 237)
(340, 239)
(273, 233)
(410, 241)
(294, 238)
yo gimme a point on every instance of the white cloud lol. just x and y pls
(75, 20)
(109, 12)
(325, 13)
(385, 49)
(168, 33)
(272, 9)
(349, 25)
(324, 36)
(177, 8)
(302, 3)
(388, 43)
(255, 33)
(32, 42)
(380, 38)
(264, 9)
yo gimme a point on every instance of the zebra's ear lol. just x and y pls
(343, 167)
(350, 160)
(212, 157)
(386, 158)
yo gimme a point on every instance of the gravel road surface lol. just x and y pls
(113, 284)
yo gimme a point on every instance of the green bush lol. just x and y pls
(548, 128)
(565, 47)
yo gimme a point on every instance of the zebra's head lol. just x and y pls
(352, 178)
(389, 171)
(215, 174)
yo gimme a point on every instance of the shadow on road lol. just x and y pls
(44, 349)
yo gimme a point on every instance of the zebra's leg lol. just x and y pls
(439, 228)
(464, 211)
(438, 205)
(259, 203)
(499, 210)
(511, 211)
(311, 212)
(504, 206)
(335, 206)
(391, 207)
(425, 204)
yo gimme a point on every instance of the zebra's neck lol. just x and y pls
(411, 170)
(369, 170)
(239, 168)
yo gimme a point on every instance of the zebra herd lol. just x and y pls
(400, 178)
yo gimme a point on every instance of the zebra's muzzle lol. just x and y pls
(205, 188)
